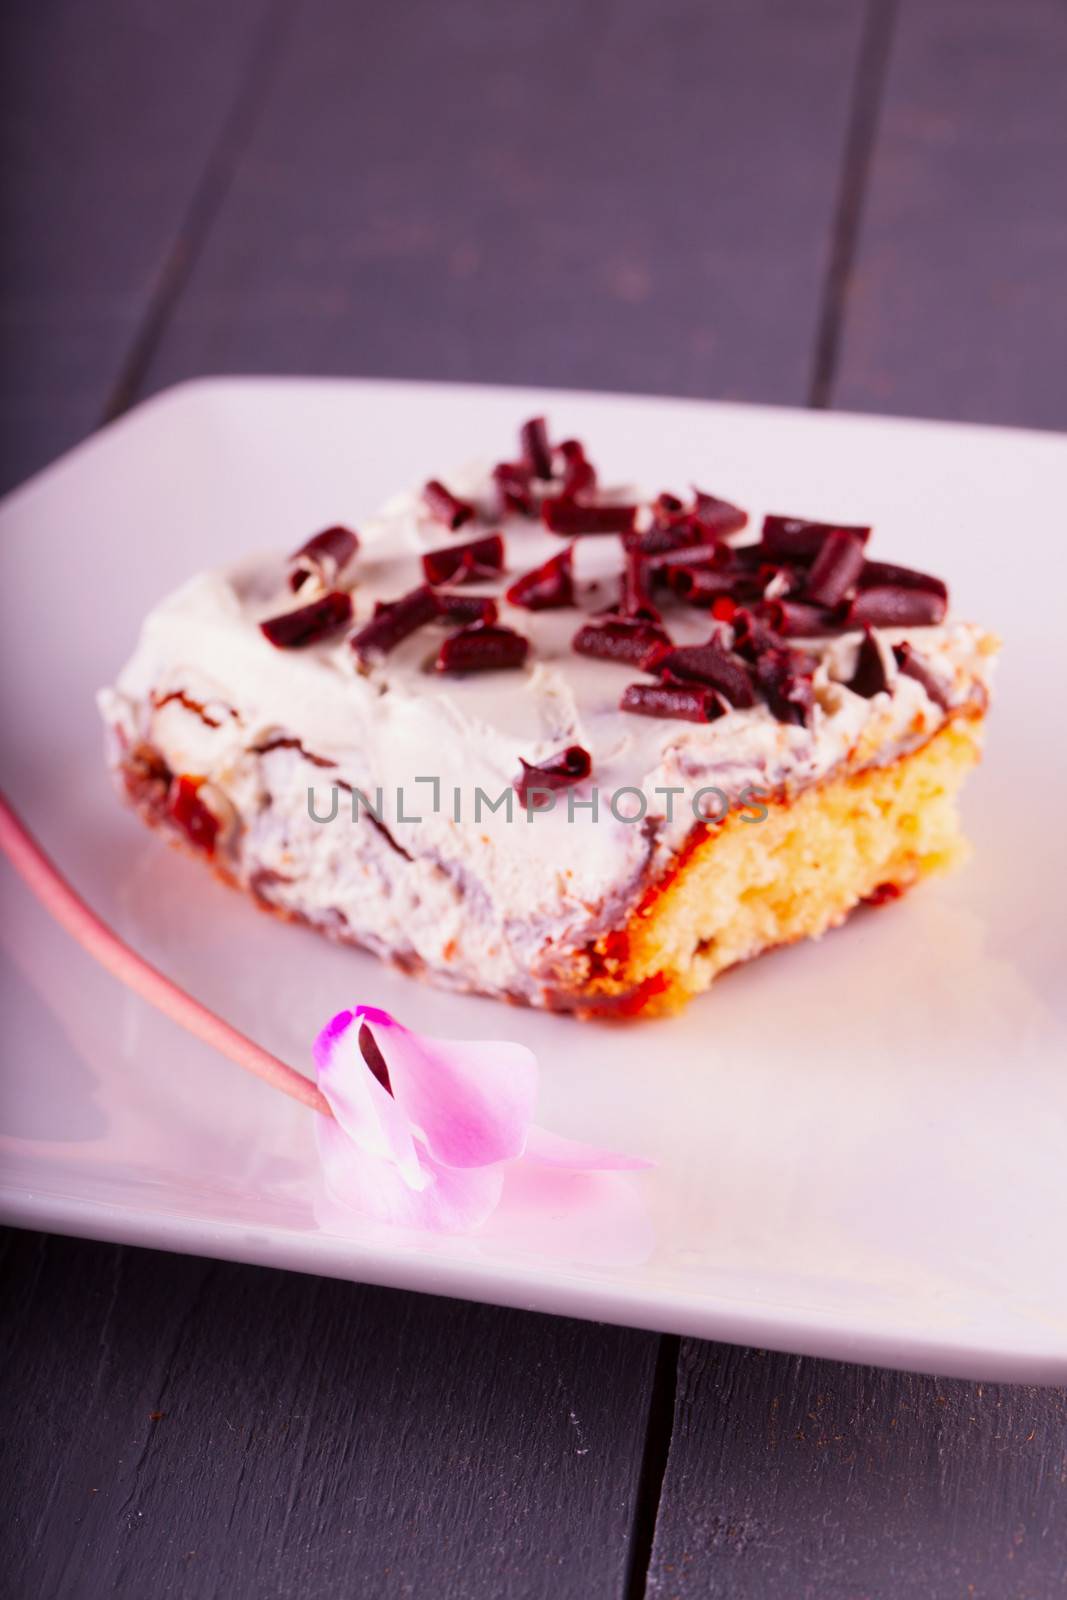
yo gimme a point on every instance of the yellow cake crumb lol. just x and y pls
(746, 887)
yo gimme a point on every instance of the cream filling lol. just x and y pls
(400, 723)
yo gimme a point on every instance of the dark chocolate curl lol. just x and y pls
(913, 665)
(445, 506)
(680, 702)
(870, 676)
(835, 569)
(752, 636)
(536, 451)
(464, 608)
(635, 599)
(579, 474)
(323, 558)
(791, 618)
(663, 558)
(785, 679)
(618, 639)
(561, 771)
(512, 480)
(879, 574)
(710, 664)
(482, 649)
(393, 623)
(796, 539)
(549, 587)
(892, 607)
(670, 533)
(719, 517)
(465, 563)
(308, 624)
(571, 517)
(701, 585)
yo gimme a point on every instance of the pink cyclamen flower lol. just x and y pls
(423, 1129)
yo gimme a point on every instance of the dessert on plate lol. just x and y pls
(536, 737)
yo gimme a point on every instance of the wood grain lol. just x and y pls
(695, 198)
(957, 307)
(197, 1429)
(798, 1478)
(806, 1478)
(619, 196)
(110, 115)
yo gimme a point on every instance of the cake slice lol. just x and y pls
(539, 739)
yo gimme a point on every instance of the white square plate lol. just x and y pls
(861, 1146)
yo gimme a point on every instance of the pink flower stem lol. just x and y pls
(83, 924)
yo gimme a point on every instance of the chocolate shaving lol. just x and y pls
(913, 665)
(752, 636)
(882, 574)
(465, 608)
(465, 563)
(323, 558)
(667, 559)
(482, 648)
(785, 678)
(445, 506)
(792, 617)
(579, 474)
(751, 558)
(548, 587)
(710, 664)
(572, 517)
(620, 639)
(395, 621)
(635, 596)
(512, 480)
(893, 607)
(700, 586)
(291, 630)
(870, 676)
(663, 553)
(719, 517)
(666, 535)
(680, 702)
(796, 539)
(835, 569)
(777, 580)
(536, 450)
(570, 766)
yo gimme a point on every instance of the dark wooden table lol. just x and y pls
(805, 201)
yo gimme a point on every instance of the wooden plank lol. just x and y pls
(197, 1429)
(791, 1477)
(957, 308)
(110, 117)
(625, 197)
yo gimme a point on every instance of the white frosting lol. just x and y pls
(483, 903)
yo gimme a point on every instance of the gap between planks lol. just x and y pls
(868, 91)
(872, 65)
(205, 205)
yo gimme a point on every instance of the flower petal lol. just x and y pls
(366, 1112)
(471, 1100)
(450, 1201)
(553, 1150)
